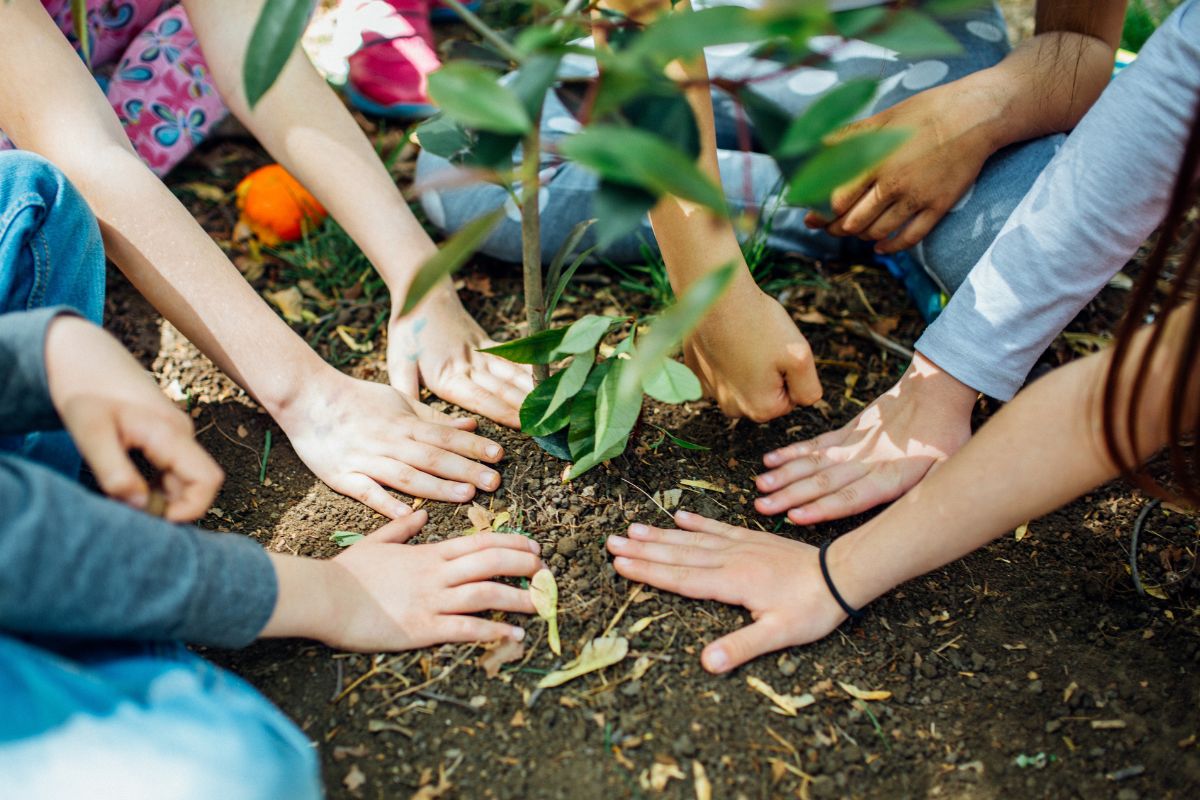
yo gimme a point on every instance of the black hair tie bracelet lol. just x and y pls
(854, 613)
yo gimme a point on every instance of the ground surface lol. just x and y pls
(1031, 646)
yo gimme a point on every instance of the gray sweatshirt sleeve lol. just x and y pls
(1098, 199)
(24, 396)
(76, 564)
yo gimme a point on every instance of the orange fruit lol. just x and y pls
(275, 207)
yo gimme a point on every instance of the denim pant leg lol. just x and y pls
(752, 181)
(50, 254)
(141, 721)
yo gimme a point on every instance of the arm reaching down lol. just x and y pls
(1097, 201)
(1039, 452)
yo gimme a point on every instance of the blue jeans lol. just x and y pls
(752, 179)
(131, 721)
(50, 255)
(103, 719)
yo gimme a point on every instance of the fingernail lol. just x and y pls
(621, 561)
(716, 660)
(766, 481)
(518, 634)
(638, 529)
(464, 492)
(494, 451)
(491, 481)
(139, 500)
(619, 541)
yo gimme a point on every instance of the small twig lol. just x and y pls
(861, 329)
(637, 590)
(1133, 545)
(485, 31)
(372, 672)
(648, 497)
(443, 698)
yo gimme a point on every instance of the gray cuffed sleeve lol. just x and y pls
(76, 564)
(1099, 198)
(25, 403)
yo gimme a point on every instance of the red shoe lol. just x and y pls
(388, 75)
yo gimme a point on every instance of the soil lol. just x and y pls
(1031, 668)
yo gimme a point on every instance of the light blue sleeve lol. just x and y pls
(1098, 199)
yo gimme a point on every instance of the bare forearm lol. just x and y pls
(302, 123)
(1041, 451)
(304, 598)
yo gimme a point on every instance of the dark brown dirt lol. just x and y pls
(1026, 647)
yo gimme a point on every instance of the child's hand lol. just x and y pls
(877, 456)
(438, 346)
(778, 580)
(751, 358)
(384, 595)
(110, 406)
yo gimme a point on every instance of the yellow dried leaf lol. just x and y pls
(544, 592)
(712, 487)
(500, 520)
(640, 667)
(1021, 530)
(208, 192)
(597, 654)
(351, 342)
(502, 652)
(787, 704)
(645, 622)
(671, 498)
(290, 303)
(480, 517)
(700, 782)
(354, 778)
(1156, 593)
(661, 773)
(863, 694)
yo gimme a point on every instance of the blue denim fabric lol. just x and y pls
(751, 179)
(134, 721)
(50, 254)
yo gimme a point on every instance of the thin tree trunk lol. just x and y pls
(531, 239)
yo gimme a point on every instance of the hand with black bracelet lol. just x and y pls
(778, 580)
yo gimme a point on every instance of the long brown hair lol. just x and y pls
(1120, 428)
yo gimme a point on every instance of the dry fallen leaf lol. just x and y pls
(862, 694)
(432, 791)
(544, 592)
(700, 781)
(354, 778)
(480, 517)
(660, 773)
(640, 667)
(290, 302)
(712, 487)
(645, 622)
(671, 498)
(348, 339)
(502, 652)
(597, 654)
(787, 704)
(1021, 530)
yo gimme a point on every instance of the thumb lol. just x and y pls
(405, 377)
(399, 531)
(760, 636)
(800, 372)
(100, 445)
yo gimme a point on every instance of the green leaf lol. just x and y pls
(585, 333)
(856, 21)
(345, 538)
(453, 254)
(913, 34)
(581, 434)
(667, 332)
(684, 35)
(616, 413)
(474, 96)
(637, 158)
(683, 443)
(279, 27)
(554, 273)
(537, 419)
(672, 383)
(593, 459)
(540, 348)
(953, 8)
(619, 210)
(667, 115)
(839, 164)
(566, 279)
(443, 137)
(771, 121)
(533, 80)
(551, 408)
(828, 113)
